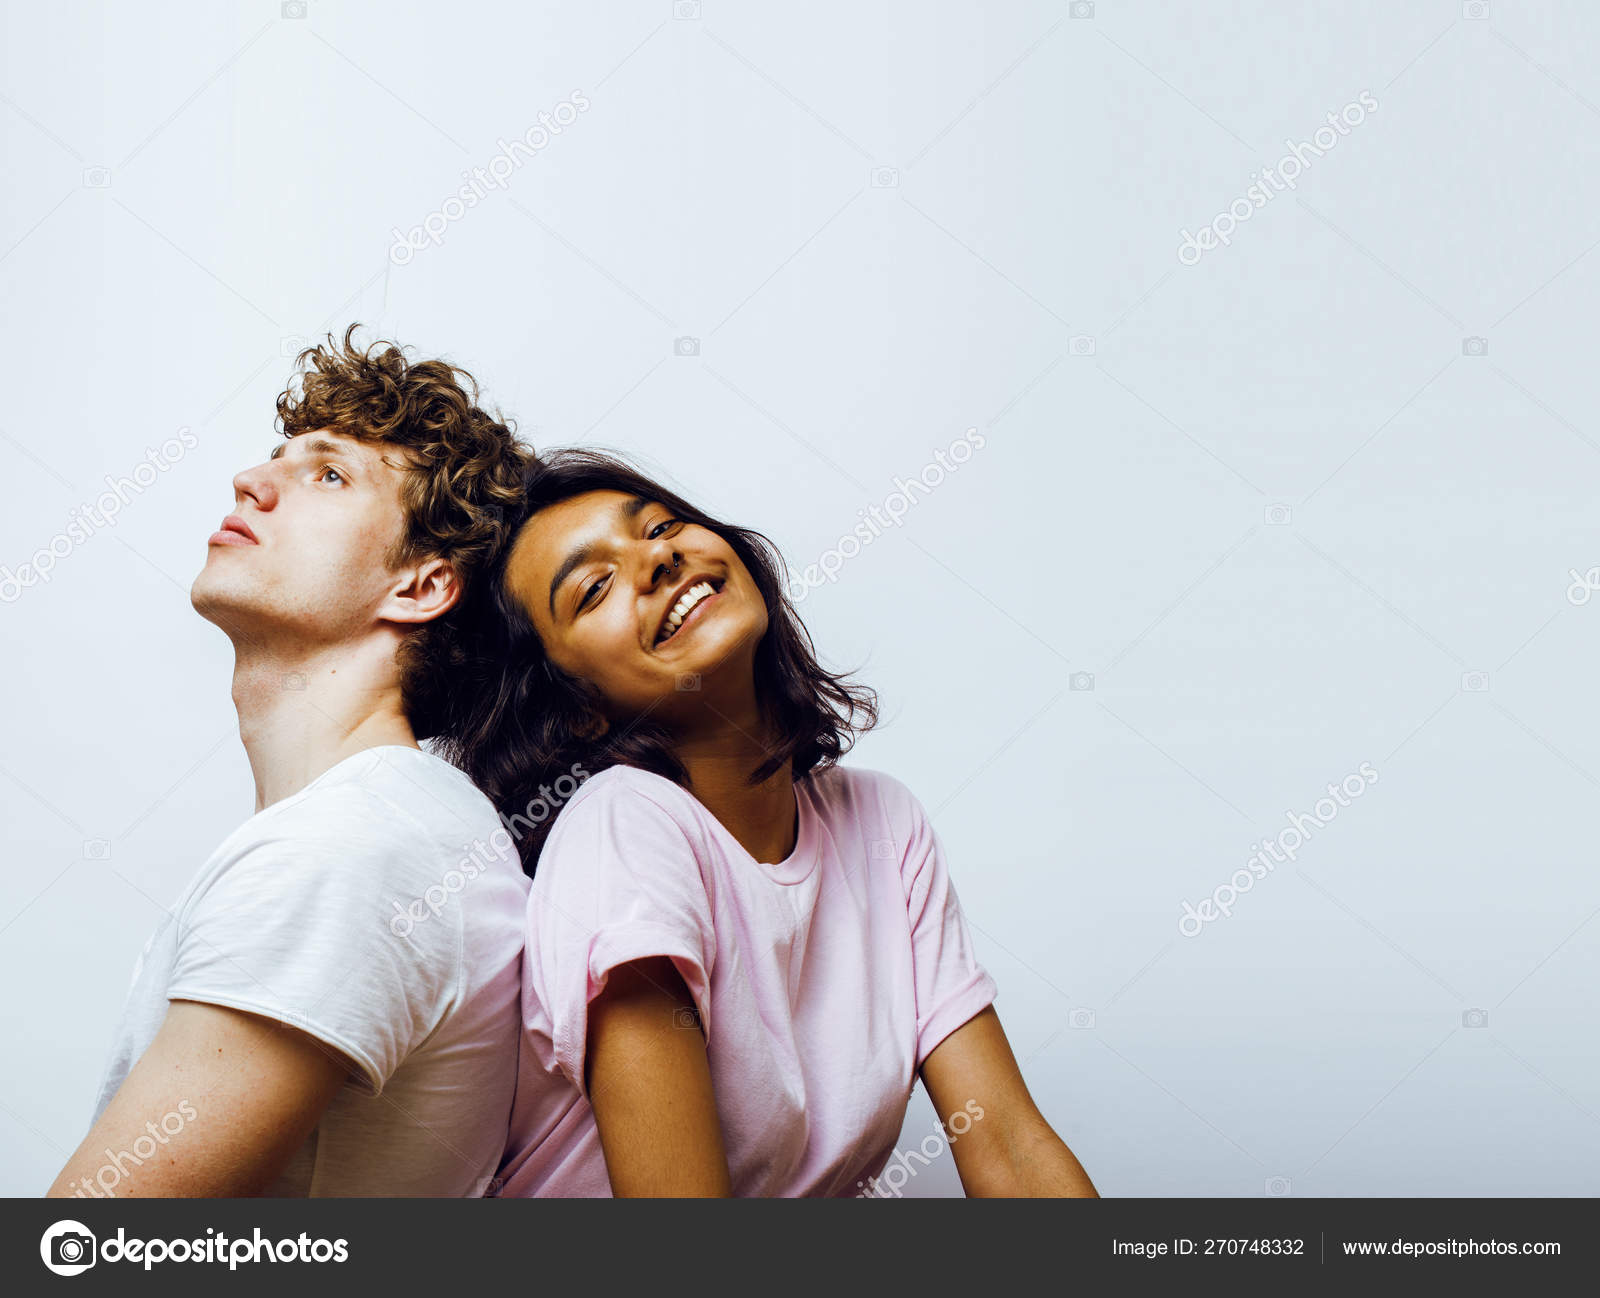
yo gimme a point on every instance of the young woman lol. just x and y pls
(740, 954)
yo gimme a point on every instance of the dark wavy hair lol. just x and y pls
(461, 490)
(524, 726)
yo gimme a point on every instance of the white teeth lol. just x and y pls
(682, 608)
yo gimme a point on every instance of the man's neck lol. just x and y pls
(304, 711)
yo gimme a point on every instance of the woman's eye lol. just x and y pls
(659, 528)
(589, 595)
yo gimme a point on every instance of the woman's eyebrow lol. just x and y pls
(626, 510)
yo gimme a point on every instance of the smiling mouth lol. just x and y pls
(691, 599)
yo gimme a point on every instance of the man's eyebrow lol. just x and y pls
(316, 445)
(630, 508)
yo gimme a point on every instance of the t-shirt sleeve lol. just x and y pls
(950, 985)
(619, 880)
(313, 922)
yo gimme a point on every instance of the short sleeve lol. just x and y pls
(619, 880)
(950, 985)
(308, 923)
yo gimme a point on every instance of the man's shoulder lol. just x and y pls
(395, 811)
(407, 788)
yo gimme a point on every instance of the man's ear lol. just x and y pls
(422, 592)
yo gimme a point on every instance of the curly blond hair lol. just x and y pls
(462, 484)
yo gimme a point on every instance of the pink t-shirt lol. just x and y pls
(822, 981)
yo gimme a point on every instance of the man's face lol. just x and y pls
(304, 549)
(604, 577)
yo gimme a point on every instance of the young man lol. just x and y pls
(332, 1006)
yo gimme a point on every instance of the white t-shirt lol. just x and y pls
(380, 909)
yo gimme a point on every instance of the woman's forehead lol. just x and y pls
(587, 511)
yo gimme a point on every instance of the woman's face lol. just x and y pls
(656, 613)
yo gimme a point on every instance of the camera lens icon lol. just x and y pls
(292, 9)
(885, 178)
(96, 177)
(1081, 9)
(1278, 1186)
(1081, 681)
(1474, 346)
(1278, 515)
(1081, 1019)
(1081, 345)
(67, 1248)
(686, 10)
(1474, 1018)
(1474, 682)
(685, 346)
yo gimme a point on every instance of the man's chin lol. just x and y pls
(221, 605)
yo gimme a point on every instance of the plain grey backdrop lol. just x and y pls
(1324, 497)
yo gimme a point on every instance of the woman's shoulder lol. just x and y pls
(633, 795)
(624, 823)
(865, 791)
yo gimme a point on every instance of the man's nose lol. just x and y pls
(256, 483)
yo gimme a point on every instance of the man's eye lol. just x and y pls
(589, 595)
(659, 528)
(322, 477)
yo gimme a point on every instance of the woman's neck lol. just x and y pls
(763, 817)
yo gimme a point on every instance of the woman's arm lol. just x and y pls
(649, 1085)
(1007, 1148)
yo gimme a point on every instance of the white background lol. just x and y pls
(1044, 166)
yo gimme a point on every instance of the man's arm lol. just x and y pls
(1003, 1145)
(256, 1087)
(649, 1084)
